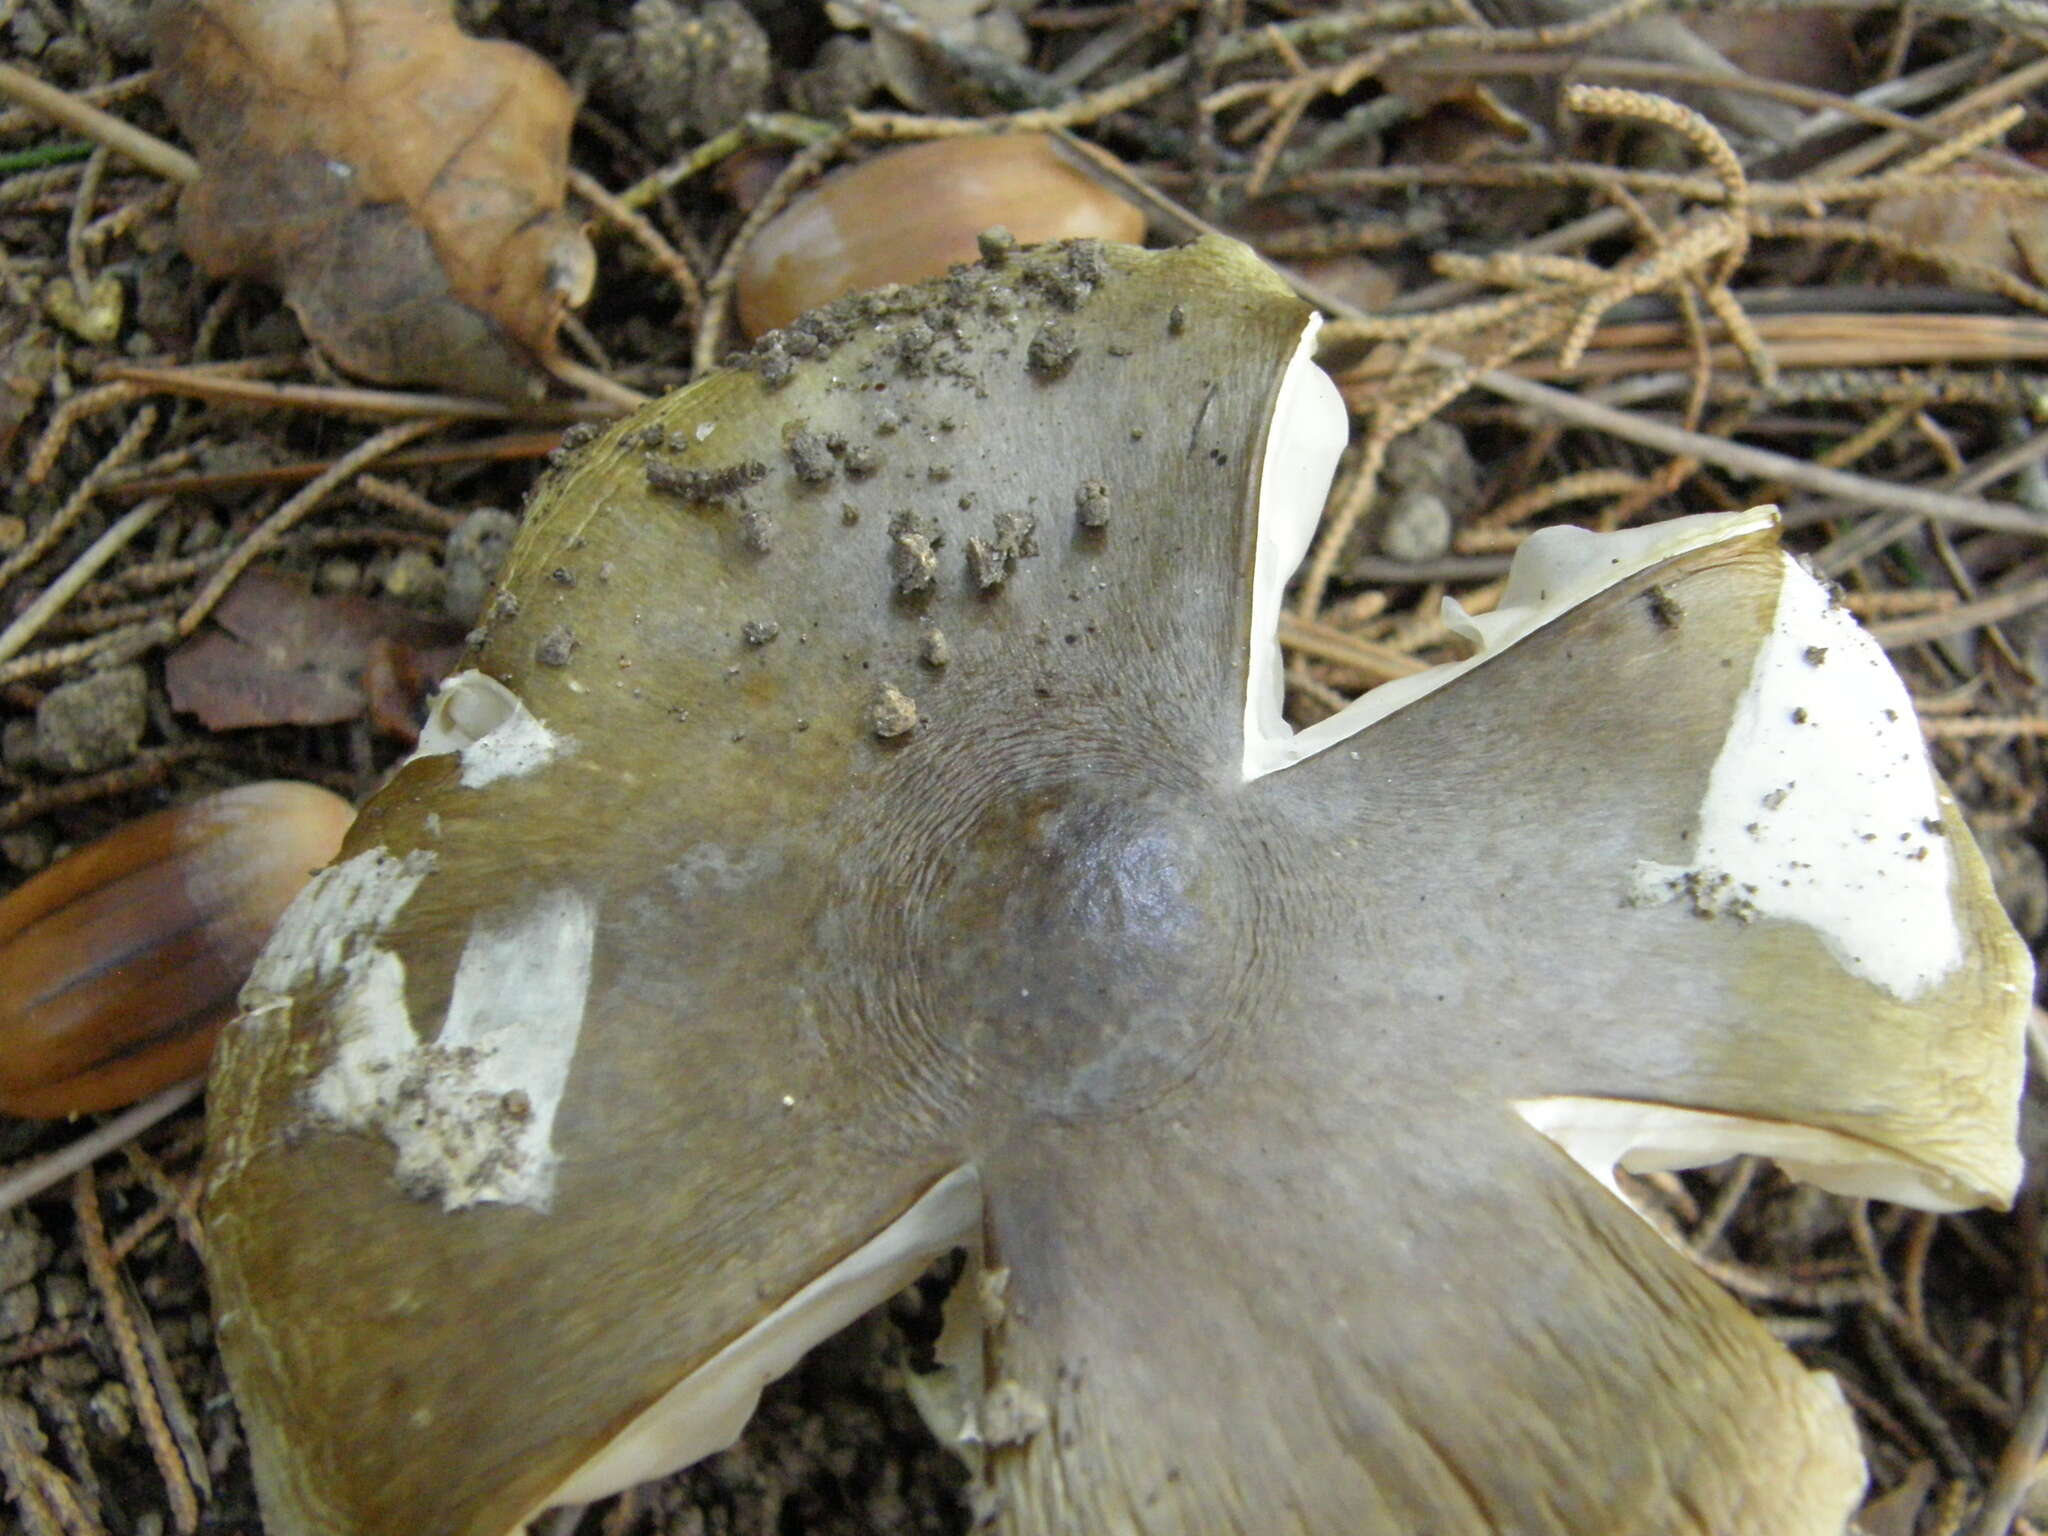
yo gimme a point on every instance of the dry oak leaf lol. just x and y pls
(400, 181)
(283, 656)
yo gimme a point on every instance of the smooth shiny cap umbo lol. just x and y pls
(869, 828)
(120, 962)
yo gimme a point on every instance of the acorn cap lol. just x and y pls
(731, 949)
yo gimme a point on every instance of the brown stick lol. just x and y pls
(145, 149)
(1759, 463)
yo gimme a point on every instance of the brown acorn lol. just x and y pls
(121, 962)
(911, 213)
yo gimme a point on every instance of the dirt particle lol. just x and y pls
(1177, 320)
(1665, 610)
(1017, 535)
(759, 631)
(1052, 350)
(997, 245)
(720, 484)
(476, 552)
(1417, 526)
(913, 561)
(826, 327)
(94, 723)
(1800, 716)
(913, 346)
(556, 647)
(775, 365)
(1087, 261)
(1091, 504)
(986, 564)
(1816, 654)
(562, 576)
(1072, 278)
(892, 713)
(889, 422)
(912, 565)
(757, 532)
(810, 456)
(933, 648)
(861, 461)
(990, 561)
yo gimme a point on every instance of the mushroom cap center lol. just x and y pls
(1079, 946)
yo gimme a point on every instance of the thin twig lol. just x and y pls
(718, 292)
(1994, 609)
(664, 255)
(26, 1183)
(1376, 662)
(1759, 463)
(1914, 1403)
(77, 574)
(125, 448)
(1975, 727)
(1653, 72)
(503, 449)
(600, 387)
(43, 458)
(204, 383)
(145, 149)
(106, 1279)
(274, 527)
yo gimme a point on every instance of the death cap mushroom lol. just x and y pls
(869, 828)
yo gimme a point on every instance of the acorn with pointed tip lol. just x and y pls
(663, 1014)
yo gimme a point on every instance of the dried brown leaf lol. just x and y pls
(283, 656)
(400, 181)
(1812, 48)
(1975, 224)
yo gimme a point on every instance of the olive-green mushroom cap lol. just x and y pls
(868, 828)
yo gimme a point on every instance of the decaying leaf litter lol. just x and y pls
(1582, 269)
